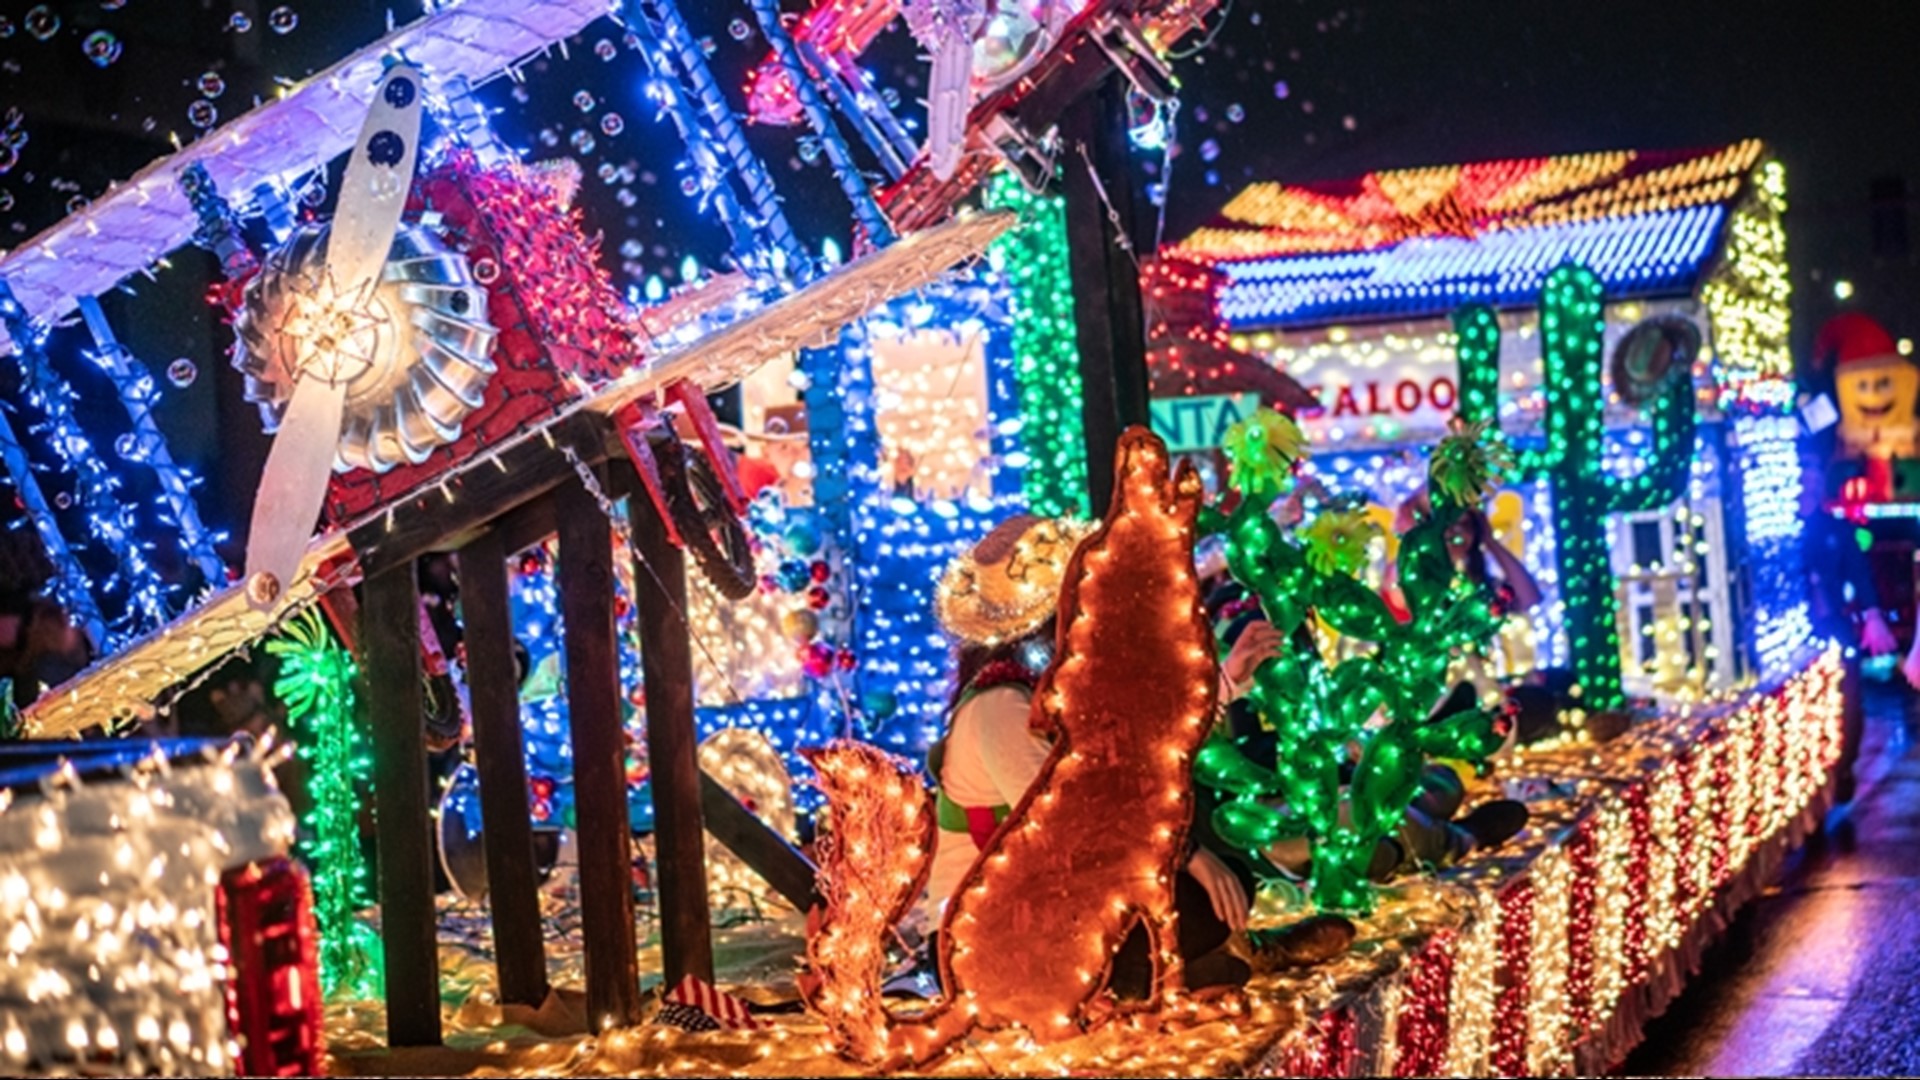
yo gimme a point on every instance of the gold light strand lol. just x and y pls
(1470, 1010)
(1548, 1049)
(1612, 847)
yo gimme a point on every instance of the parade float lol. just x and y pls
(449, 372)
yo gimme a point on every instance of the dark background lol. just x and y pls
(1290, 90)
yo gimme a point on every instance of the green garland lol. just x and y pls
(316, 685)
(1033, 256)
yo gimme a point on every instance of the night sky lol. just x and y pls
(1285, 89)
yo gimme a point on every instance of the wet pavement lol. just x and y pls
(1821, 975)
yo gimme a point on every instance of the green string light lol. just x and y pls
(1033, 258)
(1316, 710)
(316, 685)
(1572, 323)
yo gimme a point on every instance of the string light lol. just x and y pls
(111, 890)
(1033, 258)
(316, 686)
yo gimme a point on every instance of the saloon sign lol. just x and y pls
(1402, 398)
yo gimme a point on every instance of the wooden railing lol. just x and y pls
(539, 492)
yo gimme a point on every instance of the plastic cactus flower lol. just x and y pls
(1261, 451)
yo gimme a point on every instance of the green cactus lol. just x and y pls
(1316, 709)
(1584, 492)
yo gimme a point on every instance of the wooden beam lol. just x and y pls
(390, 634)
(1110, 322)
(427, 521)
(666, 659)
(765, 851)
(513, 884)
(599, 759)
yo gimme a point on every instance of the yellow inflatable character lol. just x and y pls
(1876, 387)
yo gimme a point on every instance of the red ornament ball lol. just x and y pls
(820, 571)
(845, 659)
(818, 660)
(818, 598)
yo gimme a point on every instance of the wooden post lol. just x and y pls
(599, 759)
(666, 658)
(1110, 320)
(390, 633)
(513, 895)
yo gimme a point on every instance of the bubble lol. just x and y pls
(707, 46)
(891, 96)
(632, 249)
(689, 186)
(9, 157)
(607, 172)
(63, 500)
(582, 141)
(211, 84)
(6, 200)
(127, 447)
(1280, 90)
(239, 23)
(583, 101)
(1235, 113)
(101, 47)
(1306, 107)
(203, 114)
(809, 150)
(549, 137)
(78, 203)
(626, 197)
(605, 49)
(1349, 122)
(739, 29)
(283, 19)
(611, 125)
(182, 372)
(6, 27)
(1209, 150)
(41, 22)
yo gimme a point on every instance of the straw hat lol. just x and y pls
(1009, 584)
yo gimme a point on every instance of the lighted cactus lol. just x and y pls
(1584, 491)
(1315, 709)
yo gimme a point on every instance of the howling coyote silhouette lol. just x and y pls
(1093, 848)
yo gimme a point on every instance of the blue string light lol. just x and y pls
(1635, 255)
(148, 446)
(717, 152)
(866, 210)
(109, 517)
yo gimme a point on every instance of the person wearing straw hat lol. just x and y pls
(998, 602)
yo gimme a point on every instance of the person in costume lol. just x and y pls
(1855, 363)
(998, 602)
(1485, 562)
